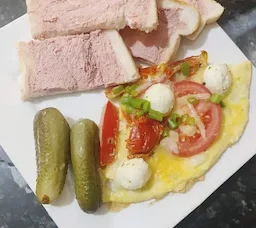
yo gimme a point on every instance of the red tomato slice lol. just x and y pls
(207, 110)
(183, 88)
(109, 133)
(144, 136)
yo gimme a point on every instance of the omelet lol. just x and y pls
(171, 173)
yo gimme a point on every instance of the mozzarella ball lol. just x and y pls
(133, 174)
(161, 98)
(217, 78)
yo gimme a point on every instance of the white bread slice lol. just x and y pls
(210, 12)
(176, 19)
(51, 18)
(68, 64)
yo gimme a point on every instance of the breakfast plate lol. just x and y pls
(16, 136)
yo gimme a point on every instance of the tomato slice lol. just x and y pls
(109, 133)
(144, 135)
(211, 116)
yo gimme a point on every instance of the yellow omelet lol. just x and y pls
(176, 174)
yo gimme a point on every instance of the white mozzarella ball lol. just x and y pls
(217, 78)
(133, 174)
(160, 97)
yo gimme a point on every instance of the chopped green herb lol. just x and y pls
(185, 68)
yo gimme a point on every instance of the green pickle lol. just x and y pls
(52, 142)
(84, 139)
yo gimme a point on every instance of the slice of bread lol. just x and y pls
(210, 12)
(51, 18)
(68, 64)
(176, 19)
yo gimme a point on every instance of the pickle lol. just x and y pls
(84, 141)
(52, 142)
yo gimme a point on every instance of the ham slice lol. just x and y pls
(175, 18)
(74, 63)
(210, 12)
(49, 18)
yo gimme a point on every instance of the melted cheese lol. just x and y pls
(174, 174)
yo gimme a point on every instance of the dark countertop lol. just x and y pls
(233, 205)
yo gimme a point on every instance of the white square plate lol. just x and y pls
(16, 136)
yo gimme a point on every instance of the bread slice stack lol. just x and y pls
(66, 60)
(78, 46)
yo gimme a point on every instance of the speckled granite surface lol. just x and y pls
(233, 205)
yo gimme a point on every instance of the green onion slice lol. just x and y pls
(191, 121)
(133, 87)
(184, 118)
(185, 68)
(136, 103)
(174, 121)
(155, 115)
(222, 104)
(216, 98)
(172, 124)
(146, 106)
(140, 113)
(118, 90)
(192, 100)
(134, 93)
(132, 90)
(130, 110)
(125, 99)
(165, 132)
